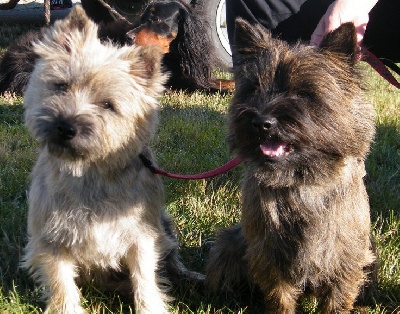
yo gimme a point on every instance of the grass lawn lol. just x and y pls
(191, 139)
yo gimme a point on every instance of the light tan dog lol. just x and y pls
(94, 208)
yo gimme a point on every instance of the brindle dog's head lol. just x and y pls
(297, 112)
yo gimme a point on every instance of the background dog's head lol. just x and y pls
(182, 32)
(160, 24)
(297, 112)
(86, 100)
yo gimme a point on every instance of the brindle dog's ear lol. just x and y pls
(342, 40)
(249, 40)
(246, 36)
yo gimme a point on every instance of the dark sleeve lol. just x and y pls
(382, 36)
(289, 19)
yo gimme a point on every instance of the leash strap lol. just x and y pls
(204, 175)
(380, 67)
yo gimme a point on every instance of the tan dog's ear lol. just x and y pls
(75, 27)
(151, 57)
(148, 67)
(342, 40)
(75, 20)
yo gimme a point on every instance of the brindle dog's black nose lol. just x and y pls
(263, 123)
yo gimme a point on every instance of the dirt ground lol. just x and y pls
(28, 11)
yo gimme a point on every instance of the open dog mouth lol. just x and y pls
(275, 148)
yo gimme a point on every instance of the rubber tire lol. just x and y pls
(210, 8)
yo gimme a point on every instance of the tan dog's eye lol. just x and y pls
(61, 87)
(107, 105)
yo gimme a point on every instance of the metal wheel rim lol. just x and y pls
(220, 23)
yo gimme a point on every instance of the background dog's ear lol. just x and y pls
(342, 40)
(183, 14)
(249, 40)
(192, 47)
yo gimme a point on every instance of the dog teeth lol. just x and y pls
(274, 150)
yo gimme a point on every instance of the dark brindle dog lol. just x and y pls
(300, 123)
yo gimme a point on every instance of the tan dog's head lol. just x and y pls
(89, 101)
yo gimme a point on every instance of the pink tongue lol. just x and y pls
(274, 150)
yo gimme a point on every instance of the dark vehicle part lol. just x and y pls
(130, 9)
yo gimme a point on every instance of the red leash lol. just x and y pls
(379, 67)
(205, 175)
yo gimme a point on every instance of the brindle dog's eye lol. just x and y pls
(303, 94)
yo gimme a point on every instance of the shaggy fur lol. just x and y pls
(300, 123)
(94, 208)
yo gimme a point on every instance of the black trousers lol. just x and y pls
(292, 20)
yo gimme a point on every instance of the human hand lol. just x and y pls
(342, 11)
